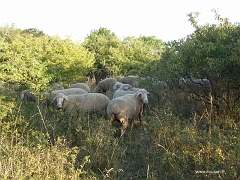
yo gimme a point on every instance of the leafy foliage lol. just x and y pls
(116, 57)
(211, 52)
(102, 43)
(38, 60)
(66, 61)
(20, 59)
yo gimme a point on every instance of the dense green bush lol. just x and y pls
(36, 61)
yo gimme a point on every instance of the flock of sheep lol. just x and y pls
(126, 105)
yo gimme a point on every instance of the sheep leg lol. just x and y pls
(112, 118)
(140, 115)
(124, 126)
(132, 121)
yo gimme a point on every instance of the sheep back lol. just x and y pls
(105, 85)
(124, 89)
(129, 80)
(81, 85)
(119, 93)
(90, 102)
(51, 96)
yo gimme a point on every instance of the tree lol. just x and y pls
(66, 61)
(35, 61)
(104, 45)
(20, 59)
(35, 32)
(140, 53)
(211, 52)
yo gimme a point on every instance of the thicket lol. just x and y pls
(184, 136)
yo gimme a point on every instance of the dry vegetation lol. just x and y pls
(39, 142)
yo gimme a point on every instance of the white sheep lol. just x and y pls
(105, 85)
(200, 87)
(28, 96)
(117, 85)
(124, 89)
(81, 85)
(90, 102)
(127, 108)
(50, 97)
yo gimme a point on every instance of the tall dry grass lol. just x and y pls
(179, 140)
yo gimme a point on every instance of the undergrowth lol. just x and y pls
(39, 142)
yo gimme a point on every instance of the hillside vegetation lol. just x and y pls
(185, 135)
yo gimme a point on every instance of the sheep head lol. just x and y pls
(126, 87)
(143, 95)
(117, 85)
(60, 99)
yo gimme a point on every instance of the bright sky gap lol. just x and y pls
(167, 20)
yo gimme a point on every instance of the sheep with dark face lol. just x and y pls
(127, 108)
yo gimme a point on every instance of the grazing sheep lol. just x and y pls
(124, 89)
(90, 102)
(50, 97)
(117, 85)
(129, 80)
(55, 86)
(200, 87)
(81, 85)
(127, 108)
(105, 85)
(28, 96)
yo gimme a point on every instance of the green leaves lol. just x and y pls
(211, 52)
(33, 59)
(67, 61)
(21, 59)
(120, 57)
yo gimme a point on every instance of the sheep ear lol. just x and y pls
(65, 98)
(149, 94)
(53, 99)
(138, 94)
